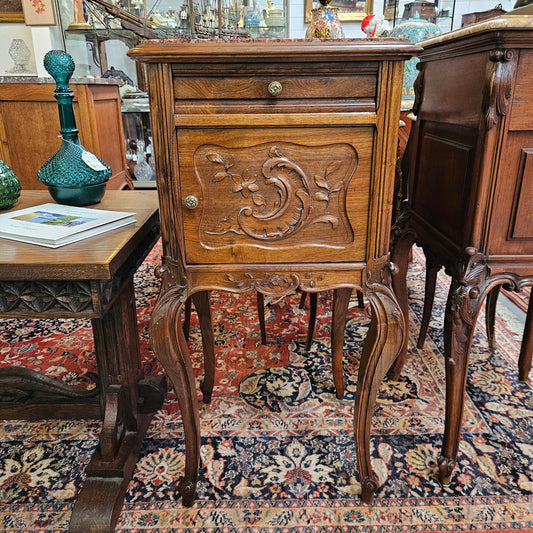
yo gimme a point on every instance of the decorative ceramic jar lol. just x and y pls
(9, 186)
(74, 175)
(414, 30)
(325, 23)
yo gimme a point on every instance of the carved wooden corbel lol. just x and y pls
(498, 87)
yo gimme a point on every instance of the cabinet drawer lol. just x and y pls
(301, 87)
(276, 195)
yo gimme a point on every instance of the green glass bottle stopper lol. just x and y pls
(72, 165)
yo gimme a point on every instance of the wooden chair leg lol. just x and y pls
(341, 299)
(360, 300)
(203, 308)
(261, 313)
(526, 351)
(303, 297)
(490, 314)
(312, 315)
(187, 318)
(260, 310)
(432, 269)
(312, 319)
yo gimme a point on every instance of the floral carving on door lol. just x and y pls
(270, 192)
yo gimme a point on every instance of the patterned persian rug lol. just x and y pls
(277, 449)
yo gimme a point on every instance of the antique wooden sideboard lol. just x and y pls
(29, 123)
(275, 165)
(469, 170)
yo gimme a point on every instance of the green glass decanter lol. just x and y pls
(9, 186)
(73, 175)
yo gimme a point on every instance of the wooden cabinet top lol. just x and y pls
(272, 50)
(509, 29)
(97, 257)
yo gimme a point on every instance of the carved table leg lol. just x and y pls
(383, 342)
(400, 257)
(463, 305)
(526, 351)
(432, 269)
(170, 347)
(341, 300)
(110, 469)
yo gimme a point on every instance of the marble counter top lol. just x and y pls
(73, 81)
(505, 22)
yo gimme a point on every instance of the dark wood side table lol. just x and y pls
(470, 186)
(276, 164)
(92, 278)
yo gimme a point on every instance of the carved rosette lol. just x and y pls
(499, 85)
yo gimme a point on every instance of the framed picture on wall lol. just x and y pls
(39, 12)
(349, 10)
(11, 11)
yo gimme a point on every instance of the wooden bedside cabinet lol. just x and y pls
(275, 173)
(470, 187)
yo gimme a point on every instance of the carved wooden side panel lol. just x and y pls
(444, 181)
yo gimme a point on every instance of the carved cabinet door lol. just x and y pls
(275, 195)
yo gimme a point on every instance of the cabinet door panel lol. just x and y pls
(276, 195)
(511, 222)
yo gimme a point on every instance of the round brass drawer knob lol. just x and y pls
(274, 88)
(191, 202)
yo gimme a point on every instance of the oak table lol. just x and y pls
(469, 169)
(92, 278)
(276, 164)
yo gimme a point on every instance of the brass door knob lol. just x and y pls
(191, 202)
(274, 88)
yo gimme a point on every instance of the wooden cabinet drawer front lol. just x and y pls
(298, 87)
(276, 195)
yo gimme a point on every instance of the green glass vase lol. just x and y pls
(9, 186)
(73, 175)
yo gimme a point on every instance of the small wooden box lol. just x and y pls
(424, 9)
